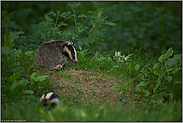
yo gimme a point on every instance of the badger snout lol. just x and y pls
(74, 60)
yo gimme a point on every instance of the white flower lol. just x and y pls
(121, 58)
(100, 58)
(118, 54)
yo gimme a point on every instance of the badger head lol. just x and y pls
(49, 98)
(70, 51)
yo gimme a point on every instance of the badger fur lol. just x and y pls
(52, 54)
(49, 98)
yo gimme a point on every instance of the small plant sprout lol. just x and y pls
(60, 84)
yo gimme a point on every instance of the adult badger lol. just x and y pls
(52, 54)
(49, 98)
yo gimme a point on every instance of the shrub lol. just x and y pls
(161, 81)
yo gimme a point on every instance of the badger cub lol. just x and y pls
(49, 98)
(52, 54)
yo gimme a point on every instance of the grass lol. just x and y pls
(94, 90)
(32, 112)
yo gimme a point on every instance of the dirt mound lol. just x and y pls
(84, 87)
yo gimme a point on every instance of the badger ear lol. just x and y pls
(72, 43)
(46, 92)
(66, 43)
(56, 94)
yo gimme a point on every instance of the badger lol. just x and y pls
(50, 98)
(52, 54)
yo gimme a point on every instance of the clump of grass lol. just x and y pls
(33, 113)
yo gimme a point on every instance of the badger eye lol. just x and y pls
(73, 55)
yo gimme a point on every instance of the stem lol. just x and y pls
(57, 18)
(74, 15)
(75, 22)
(99, 14)
(56, 23)
(91, 30)
(74, 18)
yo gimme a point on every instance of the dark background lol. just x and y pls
(150, 26)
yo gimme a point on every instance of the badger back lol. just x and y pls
(50, 55)
(70, 51)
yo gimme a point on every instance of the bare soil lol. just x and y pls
(86, 87)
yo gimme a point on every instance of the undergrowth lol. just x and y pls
(32, 112)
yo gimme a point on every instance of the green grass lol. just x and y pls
(32, 112)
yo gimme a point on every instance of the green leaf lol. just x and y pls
(137, 66)
(19, 69)
(116, 66)
(169, 53)
(29, 52)
(73, 37)
(17, 52)
(177, 56)
(156, 66)
(162, 58)
(62, 23)
(13, 36)
(111, 24)
(143, 83)
(14, 85)
(5, 50)
(71, 5)
(51, 13)
(147, 93)
(169, 78)
(33, 76)
(41, 78)
(27, 92)
(34, 26)
(23, 81)
(166, 55)
(178, 82)
(104, 29)
(15, 76)
(82, 16)
(91, 40)
(157, 85)
(85, 27)
(20, 84)
(7, 41)
(168, 70)
(151, 69)
(49, 19)
(60, 84)
(176, 70)
(173, 61)
(159, 72)
(78, 4)
(80, 48)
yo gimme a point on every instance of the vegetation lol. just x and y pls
(129, 53)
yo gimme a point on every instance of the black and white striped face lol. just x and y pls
(70, 52)
(49, 98)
